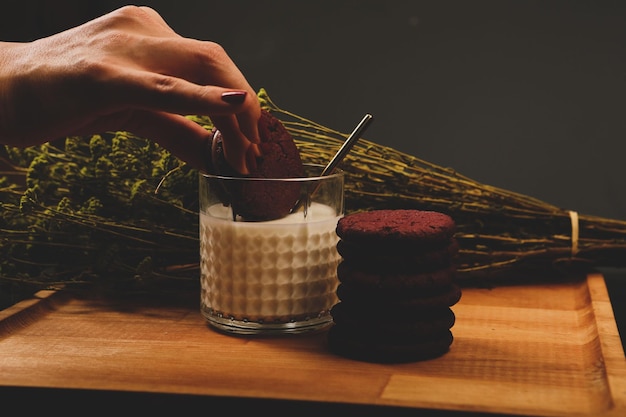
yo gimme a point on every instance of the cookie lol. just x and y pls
(369, 348)
(422, 324)
(382, 278)
(397, 228)
(404, 257)
(398, 303)
(280, 158)
(396, 286)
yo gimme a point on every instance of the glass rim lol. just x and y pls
(335, 174)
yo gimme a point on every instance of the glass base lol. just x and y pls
(243, 327)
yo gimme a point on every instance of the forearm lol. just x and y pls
(9, 73)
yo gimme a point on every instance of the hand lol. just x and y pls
(127, 70)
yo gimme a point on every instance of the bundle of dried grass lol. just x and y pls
(502, 234)
(120, 211)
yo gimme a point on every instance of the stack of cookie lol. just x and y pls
(396, 286)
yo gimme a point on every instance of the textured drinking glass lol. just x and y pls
(270, 277)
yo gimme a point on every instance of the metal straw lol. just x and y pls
(347, 145)
(341, 153)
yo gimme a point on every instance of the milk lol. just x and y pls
(272, 274)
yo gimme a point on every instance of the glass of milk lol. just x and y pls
(276, 276)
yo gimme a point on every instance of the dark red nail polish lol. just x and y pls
(234, 97)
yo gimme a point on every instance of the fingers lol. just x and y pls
(239, 151)
(141, 89)
(181, 136)
(236, 119)
(187, 140)
(248, 121)
(186, 76)
(204, 64)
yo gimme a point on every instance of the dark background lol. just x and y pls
(524, 95)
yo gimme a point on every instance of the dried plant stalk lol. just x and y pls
(501, 233)
(119, 211)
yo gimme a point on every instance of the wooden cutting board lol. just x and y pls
(547, 350)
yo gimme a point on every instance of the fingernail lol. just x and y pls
(234, 97)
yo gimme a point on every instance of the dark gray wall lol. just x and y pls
(524, 95)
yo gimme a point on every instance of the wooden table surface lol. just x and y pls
(543, 349)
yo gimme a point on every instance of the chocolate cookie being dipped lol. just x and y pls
(280, 158)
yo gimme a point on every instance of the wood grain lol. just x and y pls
(547, 350)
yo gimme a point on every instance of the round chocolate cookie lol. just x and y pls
(375, 278)
(406, 257)
(397, 227)
(397, 303)
(370, 347)
(397, 284)
(422, 324)
(280, 158)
